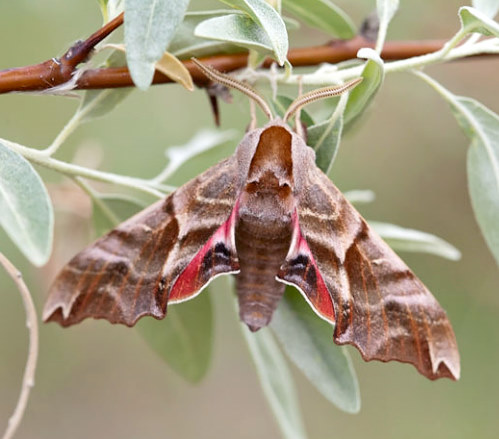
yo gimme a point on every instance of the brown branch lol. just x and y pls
(339, 50)
(58, 71)
(55, 71)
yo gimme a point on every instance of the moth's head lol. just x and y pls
(271, 166)
(294, 107)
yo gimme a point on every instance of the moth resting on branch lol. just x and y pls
(270, 216)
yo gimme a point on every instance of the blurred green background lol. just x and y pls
(99, 380)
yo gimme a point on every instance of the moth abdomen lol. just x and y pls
(261, 248)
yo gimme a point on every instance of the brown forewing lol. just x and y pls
(381, 307)
(128, 273)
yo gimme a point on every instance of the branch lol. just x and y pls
(334, 52)
(32, 324)
(57, 71)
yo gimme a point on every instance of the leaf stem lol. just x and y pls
(72, 170)
(32, 325)
(68, 129)
(94, 196)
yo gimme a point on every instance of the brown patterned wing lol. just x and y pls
(381, 307)
(129, 272)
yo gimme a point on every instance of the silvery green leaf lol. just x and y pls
(308, 341)
(184, 338)
(481, 125)
(185, 44)
(386, 10)
(271, 23)
(149, 27)
(202, 141)
(114, 8)
(473, 20)
(324, 138)
(487, 7)
(360, 97)
(97, 103)
(323, 15)
(236, 29)
(26, 211)
(410, 240)
(276, 381)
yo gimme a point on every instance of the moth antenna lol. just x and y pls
(298, 125)
(316, 95)
(231, 82)
(253, 121)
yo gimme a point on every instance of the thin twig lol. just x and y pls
(32, 324)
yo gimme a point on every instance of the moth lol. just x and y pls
(271, 217)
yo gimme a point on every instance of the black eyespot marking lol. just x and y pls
(221, 250)
(300, 262)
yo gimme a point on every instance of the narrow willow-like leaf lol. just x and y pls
(410, 240)
(202, 141)
(325, 138)
(360, 97)
(172, 67)
(308, 341)
(276, 381)
(323, 15)
(473, 20)
(236, 29)
(149, 27)
(26, 211)
(97, 103)
(483, 167)
(269, 21)
(489, 7)
(186, 45)
(169, 65)
(103, 9)
(111, 8)
(184, 339)
(386, 10)
(481, 125)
